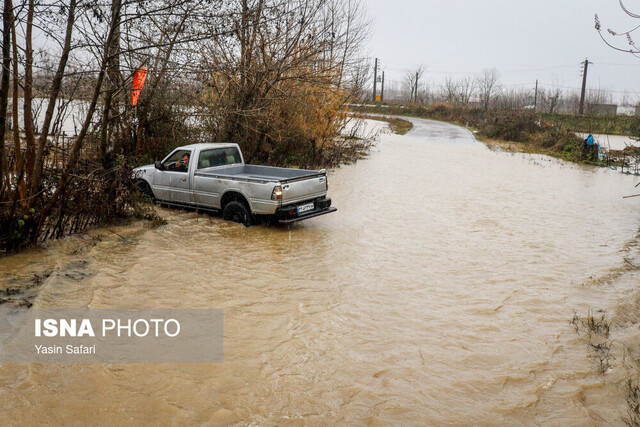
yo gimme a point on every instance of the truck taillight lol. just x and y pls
(277, 193)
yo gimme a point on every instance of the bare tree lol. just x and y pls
(551, 99)
(488, 86)
(450, 89)
(458, 91)
(626, 99)
(596, 100)
(466, 88)
(4, 86)
(425, 94)
(412, 80)
(513, 98)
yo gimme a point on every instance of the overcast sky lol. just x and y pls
(525, 41)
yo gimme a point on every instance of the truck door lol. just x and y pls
(206, 190)
(173, 183)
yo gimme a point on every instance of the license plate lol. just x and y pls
(305, 208)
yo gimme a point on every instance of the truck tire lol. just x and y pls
(237, 212)
(144, 188)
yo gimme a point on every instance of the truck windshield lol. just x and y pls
(218, 157)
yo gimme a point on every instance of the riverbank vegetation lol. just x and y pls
(271, 75)
(595, 329)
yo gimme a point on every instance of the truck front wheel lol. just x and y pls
(144, 188)
(237, 212)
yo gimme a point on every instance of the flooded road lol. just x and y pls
(440, 292)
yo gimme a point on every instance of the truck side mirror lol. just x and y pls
(159, 165)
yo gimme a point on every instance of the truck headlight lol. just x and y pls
(277, 193)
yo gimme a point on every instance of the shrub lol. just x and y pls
(510, 125)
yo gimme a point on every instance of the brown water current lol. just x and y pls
(439, 293)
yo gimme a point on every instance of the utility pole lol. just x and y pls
(535, 98)
(415, 96)
(375, 79)
(584, 86)
(382, 89)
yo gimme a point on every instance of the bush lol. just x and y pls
(510, 125)
(96, 195)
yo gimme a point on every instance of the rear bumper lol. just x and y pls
(289, 214)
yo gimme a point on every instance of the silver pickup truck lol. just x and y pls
(214, 177)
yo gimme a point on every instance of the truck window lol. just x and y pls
(178, 161)
(219, 157)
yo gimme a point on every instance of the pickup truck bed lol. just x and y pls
(259, 173)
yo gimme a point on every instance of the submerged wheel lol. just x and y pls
(237, 212)
(145, 188)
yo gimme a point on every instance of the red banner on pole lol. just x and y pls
(138, 82)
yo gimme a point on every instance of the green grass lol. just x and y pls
(397, 125)
(400, 126)
(614, 125)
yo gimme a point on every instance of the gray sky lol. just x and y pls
(525, 41)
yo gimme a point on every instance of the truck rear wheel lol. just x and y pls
(237, 212)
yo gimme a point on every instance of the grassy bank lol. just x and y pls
(397, 125)
(515, 130)
(613, 125)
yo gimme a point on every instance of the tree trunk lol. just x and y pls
(29, 131)
(53, 97)
(20, 186)
(4, 86)
(113, 79)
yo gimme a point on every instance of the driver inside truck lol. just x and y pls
(182, 164)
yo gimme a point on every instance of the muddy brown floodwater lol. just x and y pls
(440, 292)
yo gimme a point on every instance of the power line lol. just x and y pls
(441, 68)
